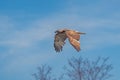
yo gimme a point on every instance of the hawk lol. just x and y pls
(62, 34)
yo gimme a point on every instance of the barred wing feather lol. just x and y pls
(59, 41)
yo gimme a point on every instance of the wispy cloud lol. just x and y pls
(22, 49)
(42, 29)
(25, 62)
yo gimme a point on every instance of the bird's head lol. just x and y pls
(60, 30)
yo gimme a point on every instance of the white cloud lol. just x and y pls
(98, 33)
(42, 29)
(25, 62)
(100, 23)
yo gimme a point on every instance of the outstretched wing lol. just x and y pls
(59, 41)
(73, 38)
(73, 34)
(75, 43)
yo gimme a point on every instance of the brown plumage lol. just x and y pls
(62, 34)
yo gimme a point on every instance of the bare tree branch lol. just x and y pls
(80, 69)
(43, 73)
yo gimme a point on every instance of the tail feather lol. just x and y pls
(81, 33)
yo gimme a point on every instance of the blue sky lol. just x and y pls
(27, 32)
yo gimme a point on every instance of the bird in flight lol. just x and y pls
(62, 34)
